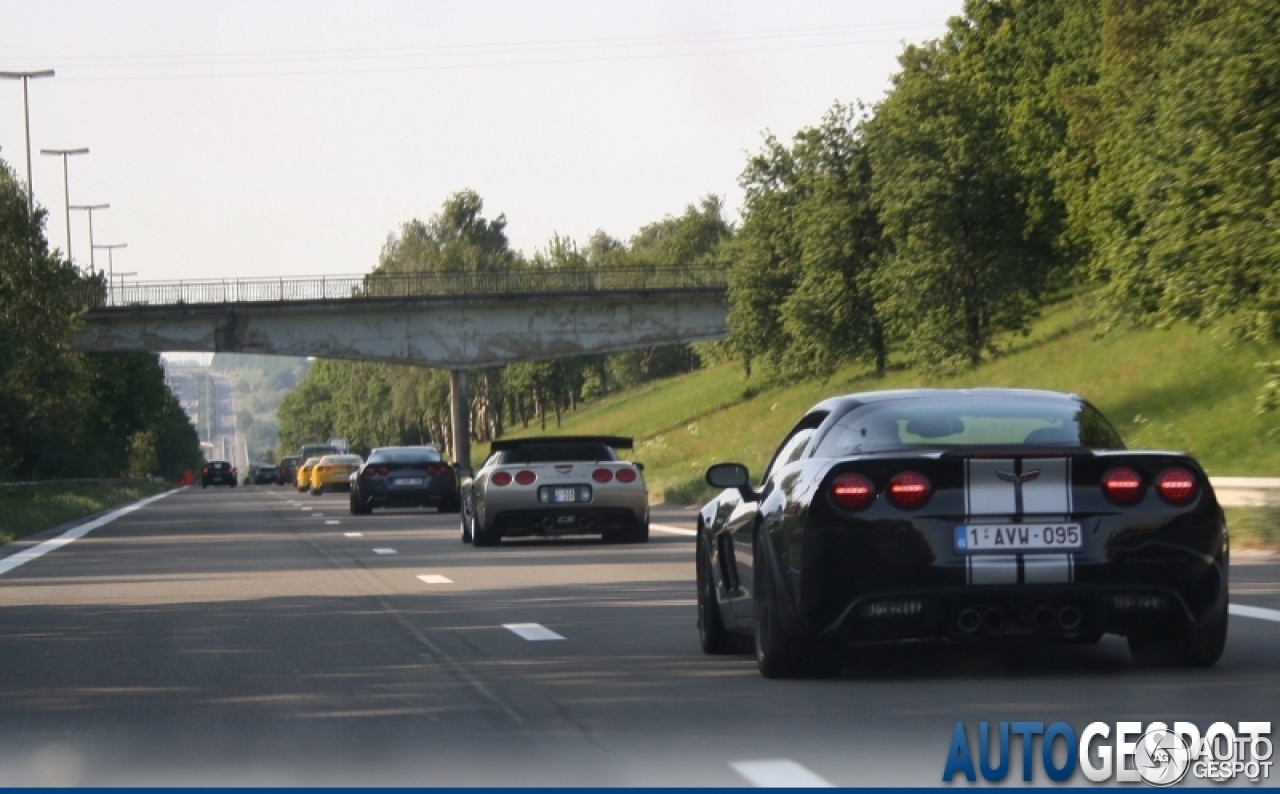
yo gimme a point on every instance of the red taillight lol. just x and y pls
(1177, 485)
(625, 475)
(205, 470)
(1122, 486)
(909, 490)
(445, 470)
(323, 468)
(433, 470)
(526, 477)
(500, 478)
(602, 475)
(852, 491)
(383, 470)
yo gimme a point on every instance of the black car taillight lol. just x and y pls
(1122, 485)
(909, 490)
(852, 491)
(1177, 485)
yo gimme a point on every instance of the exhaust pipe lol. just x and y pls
(1069, 618)
(584, 523)
(1044, 619)
(993, 619)
(968, 621)
(548, 522)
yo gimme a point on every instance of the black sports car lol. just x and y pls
(217, 472)
(995, 514)
(404, 477)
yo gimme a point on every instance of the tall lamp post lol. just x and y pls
(111, 262)
(26, 77)
(89, 208)
(66, 189)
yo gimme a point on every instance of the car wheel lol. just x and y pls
(359, 507)
(481, 537)
(777, 655)
(1200, 645)
(712, 635)
(317, 491)
(466, 522)
(639, 534)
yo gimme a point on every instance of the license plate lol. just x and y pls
(561, 495)
(1017, 537)
(409, 481)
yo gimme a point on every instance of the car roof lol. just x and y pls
(407, 448)
(846, 401)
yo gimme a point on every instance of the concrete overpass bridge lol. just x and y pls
(454, 321)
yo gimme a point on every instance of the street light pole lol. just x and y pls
(66, 189)
(111, 262)
(26, 77)
(90, 208)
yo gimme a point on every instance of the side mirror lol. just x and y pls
(638, 465)
(732, 475)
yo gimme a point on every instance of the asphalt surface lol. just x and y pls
(247, 637)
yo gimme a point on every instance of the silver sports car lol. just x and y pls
(556, 485)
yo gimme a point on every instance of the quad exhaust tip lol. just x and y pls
(969, 621)
(1069, 618)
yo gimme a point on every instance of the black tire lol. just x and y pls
(638, 534)
(317, 491)
(481, 537)
(359, 507)
(777, 655)
(1197, 646)
(233, 485)
(713, 637)
(465, 521)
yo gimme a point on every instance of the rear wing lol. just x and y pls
(617, 442)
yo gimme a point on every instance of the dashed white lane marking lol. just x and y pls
(317, 515)
(1240, 610)
(673, 530)
(778, 774)
(354, 534)
(35, 552)
(435, 578)
(308, 508)
(384, 551)
(332, 523)
(531, 631)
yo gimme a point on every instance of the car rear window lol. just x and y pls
(405, 456)
(556, 453)
(342, 460)
(961, 421)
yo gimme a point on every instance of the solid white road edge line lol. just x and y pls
(1240, 610)
(435, 578)
(531, 631)
(24, 557)
(674, 530)
(778, 774)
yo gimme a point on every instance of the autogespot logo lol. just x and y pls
(1157, 755)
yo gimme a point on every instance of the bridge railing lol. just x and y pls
(400, 285)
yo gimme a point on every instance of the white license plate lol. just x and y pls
(560, 495)
(1017, 537)
(409, 481)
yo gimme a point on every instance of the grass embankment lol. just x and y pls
(1177, 388)
(30, 509)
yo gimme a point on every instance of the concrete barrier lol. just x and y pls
(1247, 491)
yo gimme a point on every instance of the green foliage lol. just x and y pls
(143, 457)
(35, 508)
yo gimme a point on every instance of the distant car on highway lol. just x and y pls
(551, 486)
(264, 474)
(998, 515)
(413, 476)
(217, 472)
(302, 480)
(287, 471)
(333, 473)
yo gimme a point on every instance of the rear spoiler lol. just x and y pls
(617, 442)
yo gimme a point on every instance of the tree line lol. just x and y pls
(65, 414)
(1124, 147)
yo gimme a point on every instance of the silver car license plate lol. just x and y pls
(408, 481)
(1017, 537)
(562, 495)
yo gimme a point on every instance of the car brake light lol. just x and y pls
(852, 491)
(500, 478)
(445, 470)
(909, 490)
(433, 470)
(1177, 485)
(323, 468)
(526, 477)
(383, 471)
(625, 475)
(1122, 486)
(602, 475)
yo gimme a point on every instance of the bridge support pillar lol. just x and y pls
(460, 414)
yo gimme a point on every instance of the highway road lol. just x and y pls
(261, 636)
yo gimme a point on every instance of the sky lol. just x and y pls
(266, 138)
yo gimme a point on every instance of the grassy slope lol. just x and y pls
(31, 509)
(1176, 389)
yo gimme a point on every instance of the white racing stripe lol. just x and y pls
(781, 773)
(35, 552)
(533, 632)
(673, 530)
(435, 578)
(1240, 610)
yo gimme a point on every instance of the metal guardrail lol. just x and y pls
(1247, 491)
(399, 285)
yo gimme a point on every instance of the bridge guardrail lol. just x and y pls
(399, 285)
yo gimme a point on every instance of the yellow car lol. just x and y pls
(333, 473)
(303, 479)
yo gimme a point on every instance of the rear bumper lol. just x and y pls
(564, 520)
